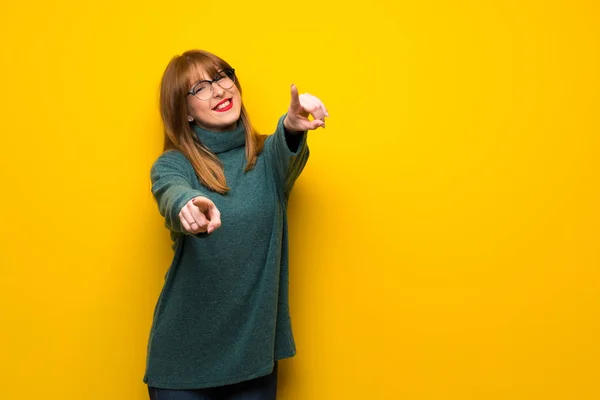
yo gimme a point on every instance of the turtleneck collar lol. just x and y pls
(220, 142)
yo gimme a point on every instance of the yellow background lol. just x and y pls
(444, 235)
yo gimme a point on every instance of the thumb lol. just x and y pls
(203, 203)
(314, 124)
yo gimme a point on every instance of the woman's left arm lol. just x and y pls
(287, 147)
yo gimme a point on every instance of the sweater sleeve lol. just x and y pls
(288, 154)
(172, 188)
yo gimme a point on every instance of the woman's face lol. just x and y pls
(220, 111)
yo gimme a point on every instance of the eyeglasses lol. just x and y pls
(203, 90)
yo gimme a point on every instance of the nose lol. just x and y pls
(217, 90)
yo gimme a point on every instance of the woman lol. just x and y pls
(222, 319)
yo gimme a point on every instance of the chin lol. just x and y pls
(235, 116)
(231, 120)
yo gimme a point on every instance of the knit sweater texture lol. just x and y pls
(222, 316)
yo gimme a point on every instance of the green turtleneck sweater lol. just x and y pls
(223, 316)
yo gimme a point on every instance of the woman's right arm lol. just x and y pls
(186, 210)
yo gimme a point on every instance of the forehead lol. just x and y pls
(199, 73)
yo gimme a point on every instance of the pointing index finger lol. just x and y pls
(295, 103)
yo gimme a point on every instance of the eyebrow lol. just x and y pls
(196, 81)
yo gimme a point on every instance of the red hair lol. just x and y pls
(181, 73)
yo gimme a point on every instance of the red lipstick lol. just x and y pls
(225, 108)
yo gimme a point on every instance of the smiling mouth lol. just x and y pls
(224, 105)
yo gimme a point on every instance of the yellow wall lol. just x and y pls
(444, 234)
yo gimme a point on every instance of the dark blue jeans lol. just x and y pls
(262, 388)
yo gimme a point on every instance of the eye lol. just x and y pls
(201, 87)
(222, 75)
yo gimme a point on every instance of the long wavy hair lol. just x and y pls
(179, 76)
